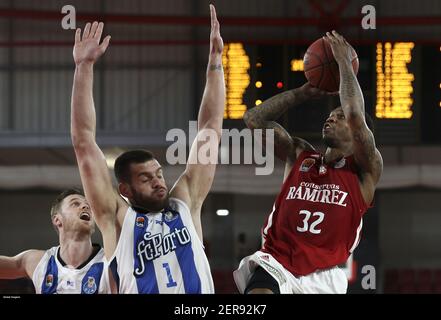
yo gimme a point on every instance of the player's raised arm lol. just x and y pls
(92, 164)
(21, 265)
(366, 155)
(195, 183)
(264, 116)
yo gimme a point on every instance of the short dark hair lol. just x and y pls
(123, 162)
(56, 204)
(368, 118)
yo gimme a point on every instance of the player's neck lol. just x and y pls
(334, 154)
(143, 209)
(75, 251)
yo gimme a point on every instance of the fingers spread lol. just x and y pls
(338, 36)
(105, 44)
(77, 35)
(93, 29)
(99, 31)
(330, 37)
(86, 31)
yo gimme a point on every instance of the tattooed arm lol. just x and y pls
(264, 116)
(366, 155)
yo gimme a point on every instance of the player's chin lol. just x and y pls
(87, 227)
(163, 202)
(329, 141)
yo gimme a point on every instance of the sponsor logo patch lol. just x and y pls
(307, 164)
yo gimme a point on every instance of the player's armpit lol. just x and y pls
(280, 141)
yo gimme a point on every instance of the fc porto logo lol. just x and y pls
(90, 286)
(307, 164)
(140, 221)
(169, 216)
(49, 280)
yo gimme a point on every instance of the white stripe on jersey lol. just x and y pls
(270, 222)
(357, 237)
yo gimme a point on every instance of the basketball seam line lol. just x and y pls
(329, 62)
(320, 65)
(323, 64)
(321, 73)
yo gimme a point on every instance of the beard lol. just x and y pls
(88, 229)
(330, 142)
(79, 228)
(143, 202)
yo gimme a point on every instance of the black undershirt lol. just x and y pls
(95, 249)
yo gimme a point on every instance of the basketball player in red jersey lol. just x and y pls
(316, 220)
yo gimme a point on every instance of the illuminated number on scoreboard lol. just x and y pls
(311, 227)
(236, 65)
(171, 282)
(394, 81)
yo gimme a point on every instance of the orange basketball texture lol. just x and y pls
(320, 67)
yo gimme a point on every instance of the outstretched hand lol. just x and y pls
(88, 49)
(341, 49)
(216, 42)
(314, 93)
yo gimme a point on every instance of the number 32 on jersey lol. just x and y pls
(311, 221)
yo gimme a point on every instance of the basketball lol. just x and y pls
(320, 67)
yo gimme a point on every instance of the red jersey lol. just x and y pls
(317, 217)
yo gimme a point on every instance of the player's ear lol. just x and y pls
(124, 189)
(57, 221)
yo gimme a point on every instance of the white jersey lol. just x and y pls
(51, 276)
(161, 253)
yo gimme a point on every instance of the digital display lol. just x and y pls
(237, 79)
(394, 81)
(401, 83)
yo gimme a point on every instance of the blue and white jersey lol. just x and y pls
(51, 276)
(161, 253)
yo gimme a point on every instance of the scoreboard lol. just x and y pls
(401, 83)
(394, 81)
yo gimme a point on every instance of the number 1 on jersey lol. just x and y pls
(171, 282)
